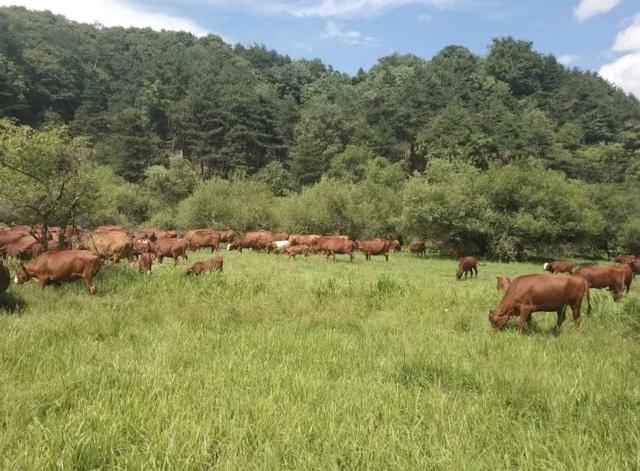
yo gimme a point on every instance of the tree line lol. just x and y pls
(511, 153)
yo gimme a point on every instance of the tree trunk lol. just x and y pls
(44, 233)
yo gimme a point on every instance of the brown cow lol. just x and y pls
(57, 266)
(467, 265)
(159, 234)
(25, 248)
(633, 262)
(303, 239)
(145, 262)
(503, 283)
(541, 293)
(395, 245)
(628, 259)
(294, 250)
(611, 277)
(628, 274)
(374, 247)
(202, 238)
(142, 246)
(559, 267)
(260, 240)
(5, 277)
(419, 249)
(331, 245)
(174, 248)
(213, 264)
(112, 244)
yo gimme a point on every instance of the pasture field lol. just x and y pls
(311, 364)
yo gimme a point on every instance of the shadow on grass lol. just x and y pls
(11, 304)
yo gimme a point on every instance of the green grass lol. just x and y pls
(311, 364)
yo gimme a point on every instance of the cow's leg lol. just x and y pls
(561, 318)
(575, 310)
(386, 257)
(525, 314)
(159, 257)
(475, 269)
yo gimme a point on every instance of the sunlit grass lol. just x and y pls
(311, 364)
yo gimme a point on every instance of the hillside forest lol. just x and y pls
(509, 154)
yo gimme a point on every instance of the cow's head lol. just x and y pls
(498, 319)
(21, 275)
(459, 274)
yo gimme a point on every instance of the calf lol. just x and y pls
(611, 277)
(145, 262)
(173, 248)
(297, 250)
(559, 267)
(541, 293)
(213, 264)
(419, 249)
(467, 265)
(50, 267)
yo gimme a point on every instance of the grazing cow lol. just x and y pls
(559, 267)
(419, 249)
(145, 262)
(24, 248)
(174, 248)
(303, 239)
(503, 283)
(159, 234)
(5, 277)
(294, 250)
(541, 293)
(628, 259)
(202, 238)
(395, 246)
(611, 277)
(112, 243)
(467, 265)
(332, 245)
(374, 247)
(12, 236)
(213, 264)
(50, 267)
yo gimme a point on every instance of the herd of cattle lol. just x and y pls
(83, 252)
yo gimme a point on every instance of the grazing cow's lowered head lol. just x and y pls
(21, 275)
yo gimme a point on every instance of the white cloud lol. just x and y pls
(629, 38)
(112, 13)
(624, 72)
(335, 31)
(589, 8)
(568, 59)
(347, 8)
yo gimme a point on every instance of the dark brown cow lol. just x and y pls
(145, 262)
(559, 267)
(332, 245)
(58, 266)
(611, 277)
(419, 249)
(5, 277)
(374, 247)
(541, 293)
(467, 265)
(174, 248)
(294, 250)
(213, 264)
(503, 283)
(202, 238)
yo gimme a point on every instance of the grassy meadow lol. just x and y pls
(311, 364)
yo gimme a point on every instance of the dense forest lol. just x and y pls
(510, 153)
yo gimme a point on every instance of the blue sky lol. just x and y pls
(599, 35)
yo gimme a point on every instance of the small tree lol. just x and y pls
(42, 175)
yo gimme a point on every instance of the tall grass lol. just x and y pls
(311, 364)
